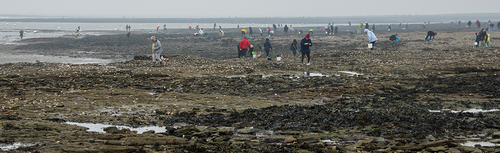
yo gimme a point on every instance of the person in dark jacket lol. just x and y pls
(336, 30)
(267, 47)
(250, 31)
(367, 26)
(393, 38)
(305, 43)
(431, 35)
(293, 47)
(482, 38)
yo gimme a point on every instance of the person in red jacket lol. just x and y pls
(244, 46)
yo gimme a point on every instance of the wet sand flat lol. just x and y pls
(413, 95)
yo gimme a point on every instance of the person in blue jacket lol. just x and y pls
(305, 43)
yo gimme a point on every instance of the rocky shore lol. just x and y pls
(409, 96)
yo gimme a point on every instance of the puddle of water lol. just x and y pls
(8, 147)
(472, 110)
(100, 127)
(350, 73)
(482, 143)
(33, 58)
(315, 74)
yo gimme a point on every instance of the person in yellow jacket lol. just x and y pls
(360, 27)
(488, 39)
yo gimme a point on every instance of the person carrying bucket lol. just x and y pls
(371, 38)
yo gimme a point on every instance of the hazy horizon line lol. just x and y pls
(3, 16)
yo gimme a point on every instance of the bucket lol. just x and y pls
(475, 43)
(398, 39)
(254, 56)
(370, 45)
(278, 58)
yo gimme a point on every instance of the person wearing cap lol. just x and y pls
(244, 46)
(371, 37)
(157, 49)
(305, 43)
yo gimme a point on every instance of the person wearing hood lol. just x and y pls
(371, 37)
(157, 49)
(305, 43)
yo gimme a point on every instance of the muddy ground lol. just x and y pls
(412, 95)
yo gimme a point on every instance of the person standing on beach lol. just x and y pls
(478, 24)
(335, 30)
(349, 23)
(244, 46)
(260, 30)
(389, 28)
(305, 43)
(367, 26)
(157, 49)
(371, 37)
(470, 23)
(250, 31)
(498, 25)
(285, 29)
(373, 27)
(21, 33)
(476, 40)
(128, 35)
(293, 47)
(360, 27)
(482, 38)
(258, 48)
(267, 47)
(488, 40)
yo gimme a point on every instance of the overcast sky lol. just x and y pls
(242, 8)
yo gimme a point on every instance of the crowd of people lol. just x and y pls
(481, 39)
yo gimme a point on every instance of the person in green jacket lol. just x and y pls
(258, 48)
